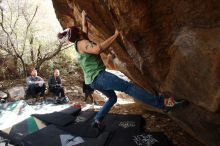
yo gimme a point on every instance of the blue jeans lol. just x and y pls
(107, 82)
(33, 90)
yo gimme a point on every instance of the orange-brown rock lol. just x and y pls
(164, 46)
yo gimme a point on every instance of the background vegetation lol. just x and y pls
(28, 30)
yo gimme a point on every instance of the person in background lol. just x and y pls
(97, 78)
(54, 84)
(35, 85)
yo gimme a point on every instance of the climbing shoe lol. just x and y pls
(170, 104)
(98, 125)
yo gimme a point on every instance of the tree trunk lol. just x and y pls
(23, 66)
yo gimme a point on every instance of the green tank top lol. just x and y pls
(91, 65)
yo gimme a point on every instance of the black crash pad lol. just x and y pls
(71, 111)
(119, 130)
(82, 126)
(56, 118)
(129, 130)
(82, 129)
(18, 131)
(101, 140)
(139, 139)
(85, 116)
(125, 123)
(51, 136)
(123, 127)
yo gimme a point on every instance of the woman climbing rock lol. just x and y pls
(98, 79)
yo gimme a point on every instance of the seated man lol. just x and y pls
(54, 84)
(35, 85)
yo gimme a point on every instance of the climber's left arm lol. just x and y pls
(84, 22)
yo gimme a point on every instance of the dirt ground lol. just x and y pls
(154, 121)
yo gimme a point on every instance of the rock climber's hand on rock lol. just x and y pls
(84, 14)
(117, 32)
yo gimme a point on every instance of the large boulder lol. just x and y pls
(165, 46)
(3, 95)
(17, 92)
(194, 70)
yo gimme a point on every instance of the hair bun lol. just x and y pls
(60, 35)
(63, 34)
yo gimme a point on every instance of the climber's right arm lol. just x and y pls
(89, 47)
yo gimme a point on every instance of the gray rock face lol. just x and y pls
(17, 92)
(3, 94)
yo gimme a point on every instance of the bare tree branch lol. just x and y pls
(8, 35)
(50, 55)
(3, 48)
(27, 29)
(13, 26)
(31, 49)
(17, 43)
(39, 54)
(10, 19)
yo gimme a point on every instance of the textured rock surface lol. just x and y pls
(16, 92)
(3, 94)
(164, 46)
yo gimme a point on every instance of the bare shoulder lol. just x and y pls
(84, 45)
(81, 45)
